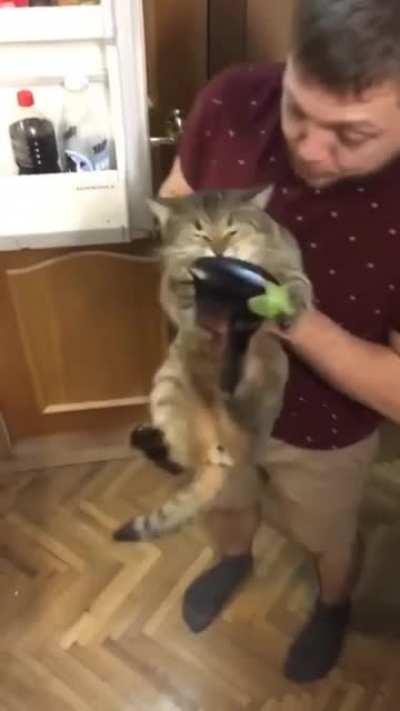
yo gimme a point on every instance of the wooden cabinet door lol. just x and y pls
(82, 335)
(268, 29)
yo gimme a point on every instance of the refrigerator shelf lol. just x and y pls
(63, 209)
(54, 24)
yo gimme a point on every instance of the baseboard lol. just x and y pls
(68, 448)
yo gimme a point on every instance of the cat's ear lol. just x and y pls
(262, 198)
(160, 209)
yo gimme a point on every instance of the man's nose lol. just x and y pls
(313, 146)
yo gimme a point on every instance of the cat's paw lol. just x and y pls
(301, 298)
(127, 533)
(151, 442)
(243, 405)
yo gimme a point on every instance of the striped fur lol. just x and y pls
(209, 434)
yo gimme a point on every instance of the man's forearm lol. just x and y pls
(367, 372)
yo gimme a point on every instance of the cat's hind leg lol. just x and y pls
(164, 440)
(211, 465)
(151, 442)
(171, 408)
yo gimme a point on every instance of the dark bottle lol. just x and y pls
(33, 139)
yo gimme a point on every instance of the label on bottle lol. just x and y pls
(22, 153)
(101, 156)
(34, 145)
(77, 162)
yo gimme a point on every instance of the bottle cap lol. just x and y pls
(25, 98)
(76, 82)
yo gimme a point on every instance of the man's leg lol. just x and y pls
(232, 525)
(317, 648)
(338, 571)
(320, 494)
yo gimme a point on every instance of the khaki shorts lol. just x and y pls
(313, 495)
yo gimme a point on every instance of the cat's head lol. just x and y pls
(212, 222)
(229, 223)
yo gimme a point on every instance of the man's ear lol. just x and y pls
(262, 198)
(160, 210)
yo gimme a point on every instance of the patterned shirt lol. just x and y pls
(349, 235)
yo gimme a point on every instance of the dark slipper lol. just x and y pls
(207, 595)
(317, 648)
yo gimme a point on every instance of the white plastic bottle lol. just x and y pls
(85, 134)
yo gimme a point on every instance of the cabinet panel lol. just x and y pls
(83, 334)
(86, 323)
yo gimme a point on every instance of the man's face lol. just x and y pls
(333, 137)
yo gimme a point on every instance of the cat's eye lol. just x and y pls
(231, 232)
(200, 231)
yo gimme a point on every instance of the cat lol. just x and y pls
(206, 431)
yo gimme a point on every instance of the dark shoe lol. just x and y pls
(150, 441)
(207, 595)
(317, 649)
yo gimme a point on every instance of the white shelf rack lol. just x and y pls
(55, 24)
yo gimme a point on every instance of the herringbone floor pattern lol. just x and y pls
(90, 625)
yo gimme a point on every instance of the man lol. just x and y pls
(325, 130)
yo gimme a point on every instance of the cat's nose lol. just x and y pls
(219, 247)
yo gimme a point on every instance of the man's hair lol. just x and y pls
(348, 45)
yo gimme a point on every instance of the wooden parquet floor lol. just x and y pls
(90, 625)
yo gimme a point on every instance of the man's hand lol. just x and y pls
(365, 371)
(175, 184)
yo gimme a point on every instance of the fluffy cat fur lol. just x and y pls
(207, 432)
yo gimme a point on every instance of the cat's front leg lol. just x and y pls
(243, 404)
(177, 296)
(300, 295)
(263, 381)
(250, 405)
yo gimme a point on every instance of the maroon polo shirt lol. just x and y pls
(349, 235)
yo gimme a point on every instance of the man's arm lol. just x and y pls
(175, 183)
(365, 371)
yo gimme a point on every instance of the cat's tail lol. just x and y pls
(179, 509)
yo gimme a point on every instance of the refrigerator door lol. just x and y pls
(127, 59)
(38, 47)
